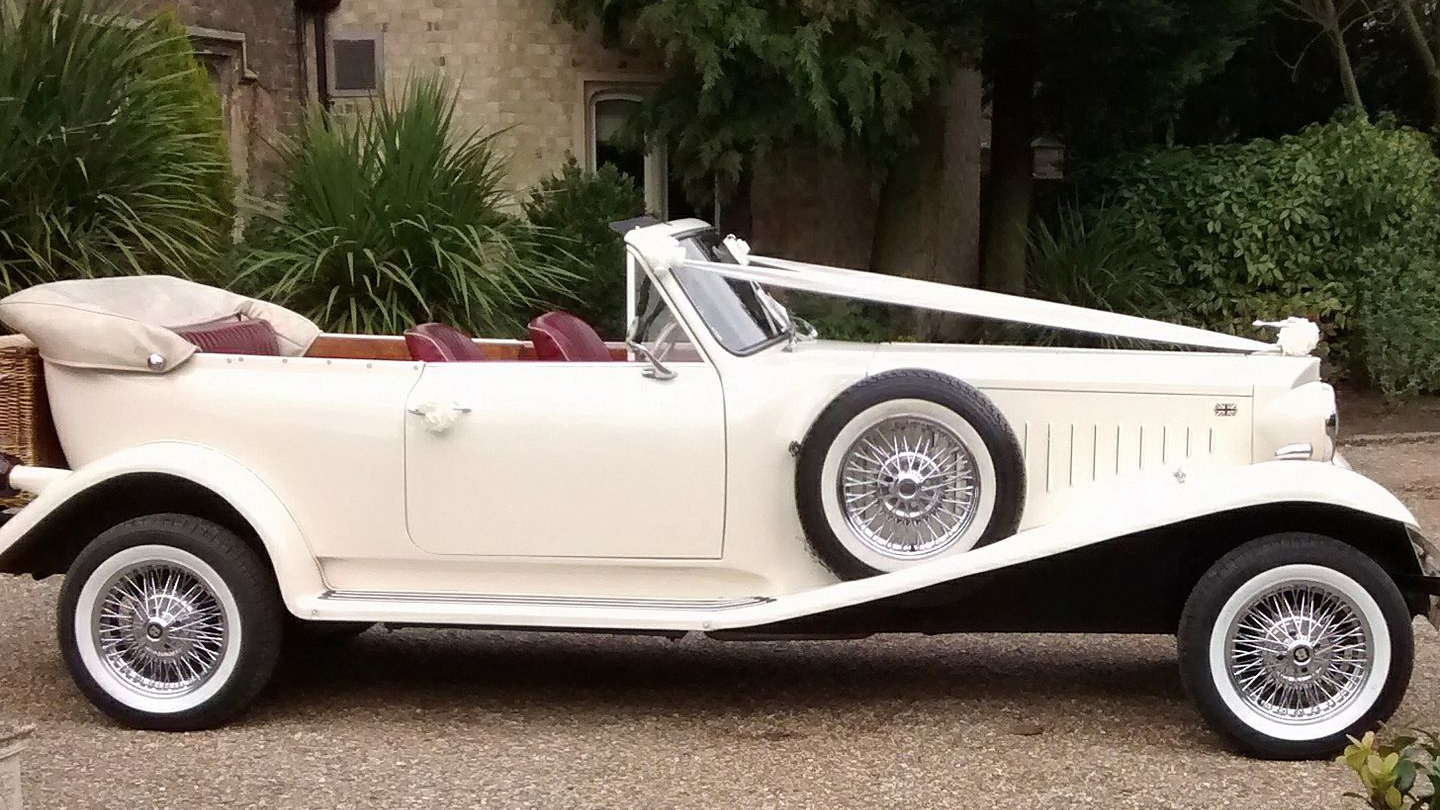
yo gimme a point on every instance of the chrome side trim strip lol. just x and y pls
(546, 601)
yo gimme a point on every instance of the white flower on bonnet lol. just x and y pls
(1297, 336)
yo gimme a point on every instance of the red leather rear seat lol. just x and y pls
(438, 343)
(232, 336)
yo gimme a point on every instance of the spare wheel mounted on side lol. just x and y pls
(907, 466)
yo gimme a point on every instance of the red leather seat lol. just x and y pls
(232, 336)
(438, 343)
(562, 336)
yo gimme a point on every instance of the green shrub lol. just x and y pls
(579, 206)
(1267, 229)
(393, 218)
(109, 160)
(199, 120)
(1400, 774)
(1094, 259)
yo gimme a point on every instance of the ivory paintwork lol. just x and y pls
(590, 484)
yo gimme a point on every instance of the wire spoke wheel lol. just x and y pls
(906, 467)
(159, 628)
(908, 486)
(170, 622)
(1300, 652)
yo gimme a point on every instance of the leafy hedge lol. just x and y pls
(1337, 221)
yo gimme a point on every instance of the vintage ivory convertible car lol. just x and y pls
(233, 475)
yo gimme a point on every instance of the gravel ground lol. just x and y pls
(486, 719)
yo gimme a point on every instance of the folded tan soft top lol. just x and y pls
(123, 322)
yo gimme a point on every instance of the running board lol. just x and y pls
(555, 612)
(573, 602)
(1121, 511)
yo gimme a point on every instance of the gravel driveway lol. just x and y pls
(487, 719)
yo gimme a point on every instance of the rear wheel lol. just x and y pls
(170, 622)
(1292, 642)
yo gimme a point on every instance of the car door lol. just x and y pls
(567, 459)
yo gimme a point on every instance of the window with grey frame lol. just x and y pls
(357, 66)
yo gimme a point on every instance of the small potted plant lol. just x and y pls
(12, 743)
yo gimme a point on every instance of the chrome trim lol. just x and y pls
(909, 487)
(1428, 557)
(160, 629)
(546, 601)
(1300, 652)
(1426, 554)
(1299, 451)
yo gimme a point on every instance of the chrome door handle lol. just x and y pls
(427, 408)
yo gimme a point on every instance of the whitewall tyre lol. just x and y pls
(905, 467)
(170, 622)
(1293, 642)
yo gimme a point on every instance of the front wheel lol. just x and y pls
(1294, 641)
(170, 622)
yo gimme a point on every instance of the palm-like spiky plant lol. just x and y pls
(110, 161)
(394, 217)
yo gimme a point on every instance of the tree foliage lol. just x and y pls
(200, 115)
(747, 76)
(1114, 74)
(1109, 75)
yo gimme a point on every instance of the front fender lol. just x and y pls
(1123, 510)
(296, 571)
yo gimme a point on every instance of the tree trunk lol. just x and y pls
(1326, 15)
(736, 213)
(1347, 70)
(928, 222)
(1012, 168)
(1424, 49)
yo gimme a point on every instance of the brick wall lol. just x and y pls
(515, 66)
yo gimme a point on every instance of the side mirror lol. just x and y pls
(801, 331)
(657, 370)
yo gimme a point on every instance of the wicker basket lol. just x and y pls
(26, 429)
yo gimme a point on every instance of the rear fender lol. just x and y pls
(296, 571)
